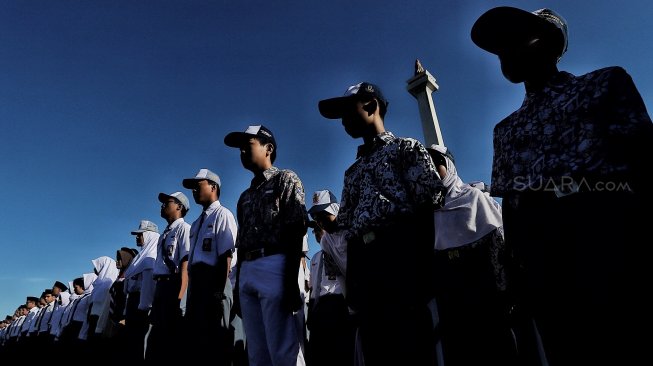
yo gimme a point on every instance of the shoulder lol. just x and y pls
(609, 74)
(288, 177)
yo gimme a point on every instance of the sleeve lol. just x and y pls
(147, 290)
(421, 176)
(226, 231)
(630, 129)
(183, 244)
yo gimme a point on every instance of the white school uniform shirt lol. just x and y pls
(57, 315)
(28, 319)
(321, 284)
(44, 326)
(140, 269)
(173, 243)
(34, 323)
(216, 236)
(65, 317)
(15, 331)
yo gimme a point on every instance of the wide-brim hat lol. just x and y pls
(504, 27)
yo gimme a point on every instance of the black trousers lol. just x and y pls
(166, 320)
(583, 273)
(204, 317)
(394, 320)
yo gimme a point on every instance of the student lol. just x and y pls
(470, 271)
(272, 222)
(139, 286)
(212, 239)
(332, 329)
(387, 204)
(569, 168)
(171, 276)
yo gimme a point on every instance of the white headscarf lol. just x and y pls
(468, 213)
(146, 257)
(100, 298)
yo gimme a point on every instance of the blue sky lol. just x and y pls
(104, 104)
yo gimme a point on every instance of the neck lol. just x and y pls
(539, 81)
(207, 204)
(375, 128)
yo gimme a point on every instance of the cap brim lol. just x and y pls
(236, 139)
(503, 27)
(333, 108)
(188, 183)
(163, 197)
(138, 232)
(318, 208)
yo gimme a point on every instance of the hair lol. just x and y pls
(264, 140)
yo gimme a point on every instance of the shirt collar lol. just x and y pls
(557, 83)
(177, 222)
(381, 139)
(265, 176)
(212, 207)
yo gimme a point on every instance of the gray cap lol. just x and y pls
(146, 226)
(163, 197)
(203, 174)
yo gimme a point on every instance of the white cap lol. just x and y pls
(203, 174)
(146, 226)
(324, 201)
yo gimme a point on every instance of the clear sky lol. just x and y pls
(104, 104)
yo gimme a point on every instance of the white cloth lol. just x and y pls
(100, 298)
(140, 270)
(335, 245)
(468, 214)
(145, 259)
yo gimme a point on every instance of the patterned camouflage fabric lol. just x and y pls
(576, 127)
(391, 177)
(271, 204)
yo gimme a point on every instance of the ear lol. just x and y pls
(269, 148)
(370, 107)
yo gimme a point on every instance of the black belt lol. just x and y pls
(251, 255)
(166, 277)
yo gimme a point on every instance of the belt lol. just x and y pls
(258, 253)
(457, 252)
(166, 277)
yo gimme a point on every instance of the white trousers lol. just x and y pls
(271, 331)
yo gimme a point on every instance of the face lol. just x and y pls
(56, 291)
(527, 60)
(356, 120)
(170, 208)
(78, 289)
(254, 155)
(49, 298)
(318, 232)
(326, 221)
(30, 304)
(24, 311)
(139, 239)
(203, 192)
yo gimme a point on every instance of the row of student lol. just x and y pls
(406, 231)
